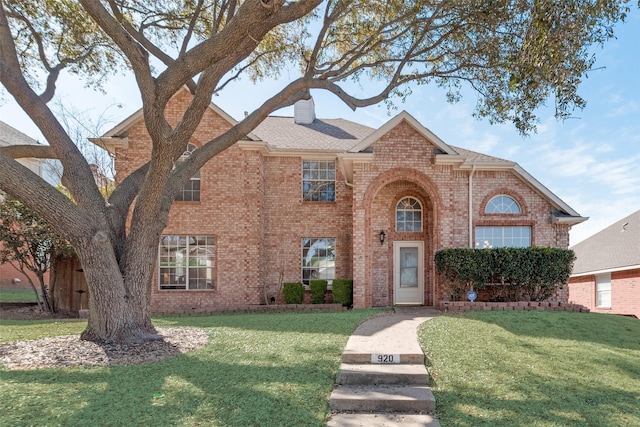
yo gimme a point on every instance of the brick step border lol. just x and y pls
(462, 306)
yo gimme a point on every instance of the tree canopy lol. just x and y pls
(515, 54)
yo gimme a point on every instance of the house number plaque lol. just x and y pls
(385, 358)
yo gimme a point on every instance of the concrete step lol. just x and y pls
(382, 420)
(351, 356)
(382, 374)
(382, 398)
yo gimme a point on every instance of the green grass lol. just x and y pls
(18, 330)
(256, 370)
(534, 369)
(17, 295)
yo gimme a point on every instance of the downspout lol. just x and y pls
(473, 169)
(344, 173)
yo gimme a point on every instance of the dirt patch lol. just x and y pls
(30, 312)
(69, 350)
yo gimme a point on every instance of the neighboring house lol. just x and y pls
(606, 274)
(44, 168)
(9, 277)
(301, 198)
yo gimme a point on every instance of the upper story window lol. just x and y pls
(502, 205)
(185, 262)
(408, 215)
(191, 190)
(319, 181)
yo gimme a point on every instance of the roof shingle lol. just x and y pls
(322, 134)
(615, 247)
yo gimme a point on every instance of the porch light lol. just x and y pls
(382, 236)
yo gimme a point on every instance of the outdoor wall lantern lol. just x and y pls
(382, 235)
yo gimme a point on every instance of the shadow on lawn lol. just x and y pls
(195, 391)
(320, 322)
(559, 406)
(610, 330)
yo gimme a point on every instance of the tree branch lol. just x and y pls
(24, 151)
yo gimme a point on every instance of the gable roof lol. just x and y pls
(395, 121)
(117, 137)
(12, 136)
(614, 248)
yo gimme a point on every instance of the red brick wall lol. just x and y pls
(252, 204)
(625, 292)
(8, 273)
(403, 164)
(288, 219)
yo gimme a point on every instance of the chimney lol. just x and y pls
(304, 112)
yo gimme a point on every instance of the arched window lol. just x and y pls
(408, 215)
(191, 190)
(502, 205)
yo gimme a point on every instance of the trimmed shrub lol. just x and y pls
(293, 292)
(505, 274)
(342, 290)
(318, 290)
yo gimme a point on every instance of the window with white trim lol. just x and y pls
(603, 290)
(318, 259)
(501, 237)
(502, 205)
(191, 190)
(185, 262)
(408, 215)
(319, 181)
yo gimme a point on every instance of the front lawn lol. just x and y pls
(256, 370)
(17, 295)
(534, 369)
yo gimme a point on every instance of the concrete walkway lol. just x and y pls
(382, 380)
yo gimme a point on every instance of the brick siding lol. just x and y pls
(625, 292)
(252, 204)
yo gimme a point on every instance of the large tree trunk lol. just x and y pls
(118, 311)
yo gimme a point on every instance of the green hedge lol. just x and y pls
(318, 290)
(507, 274)
(342, 290)
(293, 292)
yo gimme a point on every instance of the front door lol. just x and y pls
(408, 272)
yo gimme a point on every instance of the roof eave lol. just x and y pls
(606, 270)
(110, 143)
(555, 200)
(395, 121)
(124, 125)
(569, 220)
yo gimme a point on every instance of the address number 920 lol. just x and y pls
(385, 358)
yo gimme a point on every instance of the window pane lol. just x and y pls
(186, 262)
(408, 215)
(318, 259)
(502, 204)
(409, 267)
(498, 237)
(318, 181)
(603, 290)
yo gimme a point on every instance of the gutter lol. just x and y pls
(473, 169)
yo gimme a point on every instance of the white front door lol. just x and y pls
(408, 272)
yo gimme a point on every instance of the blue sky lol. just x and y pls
(591, 161)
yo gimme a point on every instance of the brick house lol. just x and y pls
(606, 274)
(302, 197)
(10, 278)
